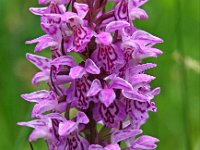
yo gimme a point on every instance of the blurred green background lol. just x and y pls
(177, 122)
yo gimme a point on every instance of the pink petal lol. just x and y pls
(82, 9)
(104, 38)
(43, 106)
(134, 95)
(36, 96)
(82, 118)
(141, 68)
(119, 83)
(145, 142)
(96, 147)
(125, 134)
(107, 96)
(140, 80)
(39, 77)
(77, 72)
(64, 60)
(91, 67)
(95, 88)
(116, 25)
(38, 11)
(41, 62)
(138, 13)
(112, 147)
(67, 127)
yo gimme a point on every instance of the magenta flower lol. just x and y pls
(107, 89)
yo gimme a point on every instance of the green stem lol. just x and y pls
(183, 72)
(92, 136)
(31, 146)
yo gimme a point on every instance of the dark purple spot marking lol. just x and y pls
(82, 86)
(107, 56)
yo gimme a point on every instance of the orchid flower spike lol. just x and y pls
(105, 97)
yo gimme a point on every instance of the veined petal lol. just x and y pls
(42, 43)
(125, 134)
(147, 52)
(146, 38)
(38, 133)
(41, 128)
(44, 1)
(108, 147)
(54, 18)
(56, 116)
(38, 39)
(138, 111)
(81, 117)
(59, 2)
(119, 83)
(76, 142)
(112, 147)
(107, 96)
(112, 115)
(37, 123)
(155, 91)
(37, 96)
(82, 36)
(141, 68)
(67, 127)
(116, 25)
(76, 72)
(91, 67)
(138, 13)
(61, 79)
(139, 80)
(72, 18)
(39, 77)
(64, 60)
(137, 3)
(82, 9)
(130, 44)
(38, 11)
(61, 107)
(145, 142)
(104, 38)
(110, 77)
(96, 147)
(51, 29)
(80, 89)
(121, 10)
(62, 1)
(43, 107)
(95, 88)
(42, 63)
(134, 95)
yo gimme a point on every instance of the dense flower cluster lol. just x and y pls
(101, 101)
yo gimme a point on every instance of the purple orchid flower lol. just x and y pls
(104, 98)
(144, 142)
(128, 135)
(81, 85)
(45, 64)
(60, 133)
(45, 101)
(112, 115)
